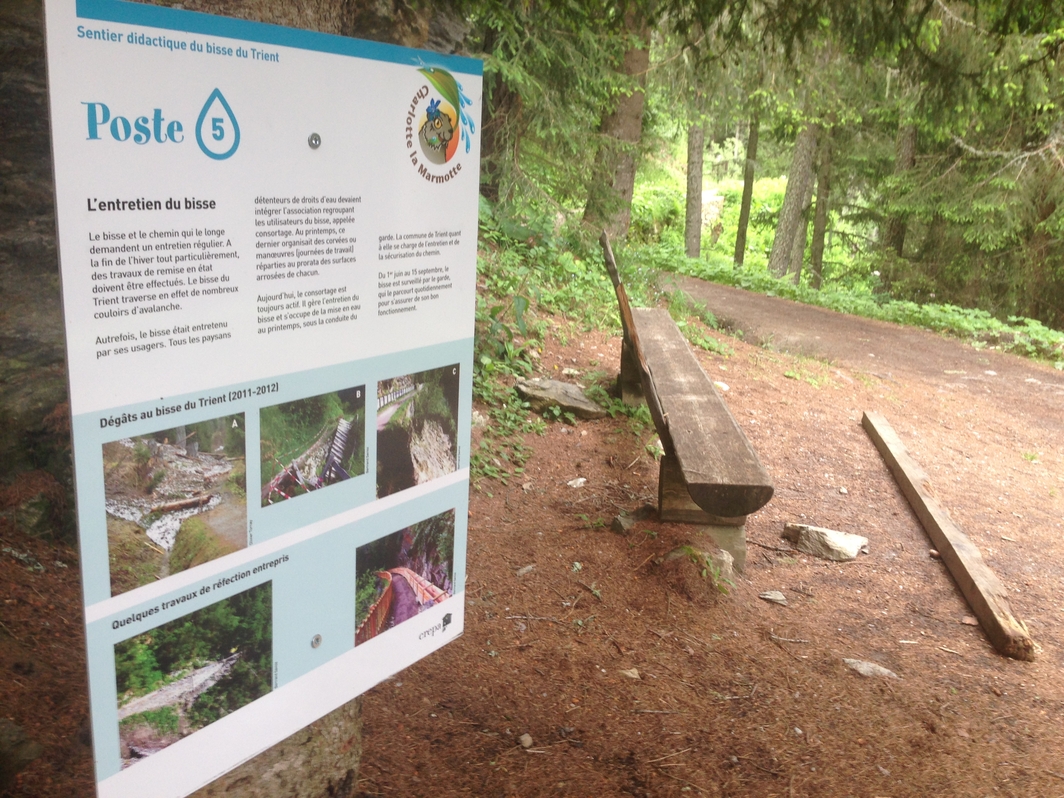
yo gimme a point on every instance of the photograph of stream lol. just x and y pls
(175, 499)
(417, 428)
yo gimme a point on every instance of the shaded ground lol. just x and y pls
(633, 677)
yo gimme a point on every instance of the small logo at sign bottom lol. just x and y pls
(440, 627)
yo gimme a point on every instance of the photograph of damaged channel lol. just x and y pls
(312, 443)
(185, 674)
(417, 428)
(175, 499)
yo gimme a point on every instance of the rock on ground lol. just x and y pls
(869, 668)
(542, 394)
(827, 544)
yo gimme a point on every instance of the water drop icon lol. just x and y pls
(217, 131)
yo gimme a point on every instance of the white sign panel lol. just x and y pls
(267, 241)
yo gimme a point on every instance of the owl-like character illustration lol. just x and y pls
(436, 133)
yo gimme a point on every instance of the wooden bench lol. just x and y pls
(709, 474)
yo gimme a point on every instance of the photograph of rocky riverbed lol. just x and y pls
(175, 499)
(417, 428)
(312, 443)
(187, 673)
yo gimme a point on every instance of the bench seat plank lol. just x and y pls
(723, 474)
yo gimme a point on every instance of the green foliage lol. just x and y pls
(237, 482)
(241, 624)
(432, 402)
(247, 681)
(691, 318)
(366, 593)
(194, 545)
(555, 413)
(234, 436)
(545, 88)
(682, 307)
(137, 669)
(164, 721)
(657, 214)
(697, 337)
(287, 430)
(141, 453)
(501, 452)
(434, 539)
(157, 477)
(707, 568)
(638, 415)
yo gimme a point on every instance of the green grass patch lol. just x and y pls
(164, 720)
(194, 545)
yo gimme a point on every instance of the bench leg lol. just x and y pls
(675, 504)
(730, 538)
(674, 500)
(630, 381)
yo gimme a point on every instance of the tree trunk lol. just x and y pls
(799, 186)
(609, 203)
(904, 160)
(319, 761)
(748, 187)
(801, 237)
(696, 147)
(820, 219)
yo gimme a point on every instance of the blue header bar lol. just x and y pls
(208, 24)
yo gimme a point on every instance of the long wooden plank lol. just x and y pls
(723, 473)
(631, 351)
(982, 589)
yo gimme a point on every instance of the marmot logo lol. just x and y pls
(436, 133)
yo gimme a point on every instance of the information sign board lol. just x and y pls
(267, 244)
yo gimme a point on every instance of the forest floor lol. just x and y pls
(633, 675)
(636, 678)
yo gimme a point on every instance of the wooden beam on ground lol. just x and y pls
(982, 589)
(723, 474)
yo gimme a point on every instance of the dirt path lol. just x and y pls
(384, 415)
(1010, 383)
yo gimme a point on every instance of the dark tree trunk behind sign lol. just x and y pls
(799, 186)
(696, 147)
(748, 186)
